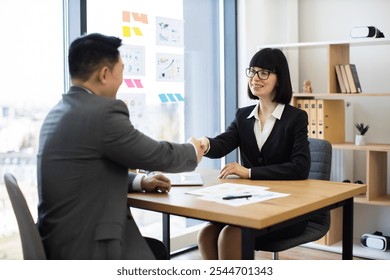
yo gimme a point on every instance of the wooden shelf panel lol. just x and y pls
(368, 147)
(338, 95)
(380, 201)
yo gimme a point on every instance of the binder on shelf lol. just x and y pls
(306, 108)
(340, 78)
(351, 82)
(313, 118)
(345, 79)
(299, 104)
(355, 78)
(331, 120)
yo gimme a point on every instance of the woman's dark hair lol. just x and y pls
(275, 61)
(89, 52)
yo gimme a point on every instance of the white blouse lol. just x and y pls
(262, 134)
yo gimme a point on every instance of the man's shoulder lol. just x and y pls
(92, 101)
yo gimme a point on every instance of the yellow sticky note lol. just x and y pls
(137, 31)
(126, 31)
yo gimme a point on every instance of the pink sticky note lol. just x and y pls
(129, 83)
(138, 83)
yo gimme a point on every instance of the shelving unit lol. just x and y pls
(376, 154)
(376, 172)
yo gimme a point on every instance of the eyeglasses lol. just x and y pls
(262, 74)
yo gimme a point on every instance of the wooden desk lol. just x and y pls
(307, 198)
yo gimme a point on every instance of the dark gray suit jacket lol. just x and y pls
(87, 144)
(284, 156)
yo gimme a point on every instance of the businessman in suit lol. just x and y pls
(87, 145)
(272, 138)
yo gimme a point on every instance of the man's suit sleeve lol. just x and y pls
(124, 144)
(134, 182)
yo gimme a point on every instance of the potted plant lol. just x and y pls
(361, 138)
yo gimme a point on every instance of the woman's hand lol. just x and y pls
(156, 183)
(234, 169)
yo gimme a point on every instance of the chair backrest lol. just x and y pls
(321, 159)
(29, 235)
(318, 226)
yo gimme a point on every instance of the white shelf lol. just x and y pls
(366, 41)
(358, 250)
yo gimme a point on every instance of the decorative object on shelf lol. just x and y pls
(366, 32)
(361, 138)
(375, 241)
(307, 86)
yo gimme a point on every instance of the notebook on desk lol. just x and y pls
(185, 179)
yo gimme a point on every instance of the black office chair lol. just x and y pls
(318, 226)
(29, 235)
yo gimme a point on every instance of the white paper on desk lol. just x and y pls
(217, 192)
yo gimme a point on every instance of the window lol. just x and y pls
(32, 82)
(173, 77)
(165, 105)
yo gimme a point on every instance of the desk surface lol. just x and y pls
(305, 196)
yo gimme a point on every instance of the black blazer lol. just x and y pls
(284, 156)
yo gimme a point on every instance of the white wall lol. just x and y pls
(262, 22)
(282, 21)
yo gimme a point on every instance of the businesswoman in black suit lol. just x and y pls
(272, 138)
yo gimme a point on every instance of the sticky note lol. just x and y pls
(126, 31)
(138, 83)
(140, 17)
(126, 16)
(129, 83)
(171, 97)
(137, 31)
(163, 98)
(179, 97)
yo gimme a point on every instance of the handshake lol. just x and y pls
(202, 145)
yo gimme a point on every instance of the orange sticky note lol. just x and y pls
(126, 16)
(140, 17)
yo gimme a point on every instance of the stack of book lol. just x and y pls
(348, 78)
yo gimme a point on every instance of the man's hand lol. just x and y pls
(198, 146)
(204, 144)
(156, 183)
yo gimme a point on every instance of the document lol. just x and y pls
(184, 179)
(235, 194)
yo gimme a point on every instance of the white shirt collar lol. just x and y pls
(277, 113)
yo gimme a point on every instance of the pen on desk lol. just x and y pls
(229, 197)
